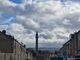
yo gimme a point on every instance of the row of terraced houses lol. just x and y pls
(71, 48)
(11, 49)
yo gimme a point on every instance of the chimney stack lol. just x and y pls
(4, 31)
(36, 45)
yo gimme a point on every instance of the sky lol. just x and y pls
(55, 20)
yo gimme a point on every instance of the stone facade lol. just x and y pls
(10, 45)
(78, 43)
(72, 47)
(19, 48)
(29, 54)
(6, 43)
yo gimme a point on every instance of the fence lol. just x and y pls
(12, 56)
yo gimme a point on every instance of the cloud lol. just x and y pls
(3, 27)
(7, 2)
(28, 23)
(51, 18)
(16, 28)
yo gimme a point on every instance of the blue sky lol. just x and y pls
(6, 18)
(55, 20)
(16, 1)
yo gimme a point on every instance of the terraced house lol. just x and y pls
(72, 47)
(12, 49)
(10, 45)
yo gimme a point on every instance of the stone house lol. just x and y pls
(8, 44)
(72, 47)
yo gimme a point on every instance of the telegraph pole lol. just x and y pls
(36, 46)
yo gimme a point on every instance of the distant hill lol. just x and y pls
(47, 49)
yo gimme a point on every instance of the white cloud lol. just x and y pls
(29, 23)
(53, 19)
(16, 28)
(7, 3)
(3, 27)
(66, 22)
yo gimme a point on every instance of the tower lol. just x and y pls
(36, 46)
